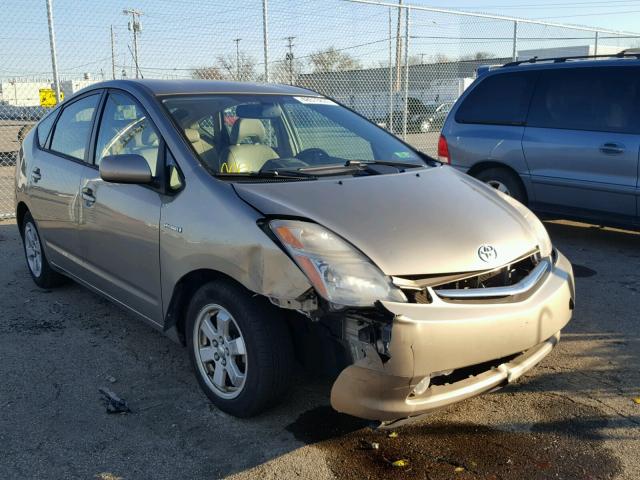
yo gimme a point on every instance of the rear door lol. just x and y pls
(54, 180)
(119, 223)
(582, 141)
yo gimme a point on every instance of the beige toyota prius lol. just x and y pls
(264, 225)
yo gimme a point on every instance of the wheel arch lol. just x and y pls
(183, 291)
(21, 211)
(487, 164)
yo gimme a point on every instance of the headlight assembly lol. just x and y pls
(337, 270)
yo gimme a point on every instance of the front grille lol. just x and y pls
(417, 289)
(503, 277)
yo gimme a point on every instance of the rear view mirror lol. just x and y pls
(128, 168)
(259, 110)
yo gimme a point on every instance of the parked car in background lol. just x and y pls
(257, 224)
(561, 136)
(421, 118)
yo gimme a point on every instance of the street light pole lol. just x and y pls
(52, 46)
(265, 40)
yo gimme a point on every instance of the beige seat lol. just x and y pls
(247, 151)
(204, 149)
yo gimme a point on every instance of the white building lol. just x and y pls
(26, 94)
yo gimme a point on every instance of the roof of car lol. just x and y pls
(570, 62)
(187, 86)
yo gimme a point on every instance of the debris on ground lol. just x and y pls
(366, 445)
(393, 435)
(459, 469)
(401, 463)
(636, 400)
(110, 379)
(113, 402)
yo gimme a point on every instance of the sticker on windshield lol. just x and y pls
(315, 100)
(403, 154)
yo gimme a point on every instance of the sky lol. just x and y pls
(178, 36)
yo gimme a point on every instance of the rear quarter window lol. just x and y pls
(501, 99)
(594, 99)
(44, 127)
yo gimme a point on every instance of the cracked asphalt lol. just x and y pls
(573, 417)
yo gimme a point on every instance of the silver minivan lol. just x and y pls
(262, 225)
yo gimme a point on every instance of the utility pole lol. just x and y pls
(399, 47)
(135, 27)
(289, 57)
(237, 40)
(52, 46)
(113, 54)
(265, 40)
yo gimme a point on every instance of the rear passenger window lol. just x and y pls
(598, 99)
(501, 99)
(73, 128)
(125, 128)
(44, 127)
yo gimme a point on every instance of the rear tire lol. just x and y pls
(240, 348)
(505, 181)
(41, 272)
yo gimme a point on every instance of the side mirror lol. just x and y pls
(127, 168)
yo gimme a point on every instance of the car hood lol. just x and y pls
(420, 222)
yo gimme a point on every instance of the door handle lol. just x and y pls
(611, 148)
(36, 175)
(88, 195)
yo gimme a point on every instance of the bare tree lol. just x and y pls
(332, 60)
(226, 68)
(477, 56)
(207, 73)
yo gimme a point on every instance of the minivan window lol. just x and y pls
(598, 99)
(271, 132)
(73, 128)
(44, 127)
(501, 99)
(125, 128)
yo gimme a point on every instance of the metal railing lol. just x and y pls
(400, 65)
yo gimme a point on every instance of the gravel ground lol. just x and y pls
(572, 418)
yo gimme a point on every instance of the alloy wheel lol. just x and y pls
(221, 353)
(33, 249)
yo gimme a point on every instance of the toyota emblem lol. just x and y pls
(487, 253)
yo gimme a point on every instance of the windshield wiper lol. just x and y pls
(391, 163)
(282, 174)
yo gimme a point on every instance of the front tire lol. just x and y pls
(505, 181)
(41, 272)
(239, 347)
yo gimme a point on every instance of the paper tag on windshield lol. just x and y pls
(315, 100)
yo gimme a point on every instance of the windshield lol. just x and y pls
(253, 134)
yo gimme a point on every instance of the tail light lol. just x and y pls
(443, 150)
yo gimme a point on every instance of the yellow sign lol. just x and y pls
(48, 97)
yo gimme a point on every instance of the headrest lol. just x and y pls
(247, 128)
(192, 134)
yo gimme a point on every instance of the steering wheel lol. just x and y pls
(313, 155)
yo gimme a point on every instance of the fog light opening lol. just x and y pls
(422, 386)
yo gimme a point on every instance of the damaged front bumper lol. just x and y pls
(482, 344)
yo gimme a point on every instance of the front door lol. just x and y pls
(582, 140)
(119, 223)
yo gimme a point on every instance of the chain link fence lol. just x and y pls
(400, 66)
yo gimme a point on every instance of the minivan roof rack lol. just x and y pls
(622, 54)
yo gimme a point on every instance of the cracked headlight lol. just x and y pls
(338, 271)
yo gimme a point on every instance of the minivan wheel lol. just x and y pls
(41, 272)
(504, 181)
(240, 348)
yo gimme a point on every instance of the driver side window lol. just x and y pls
(125, 128)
